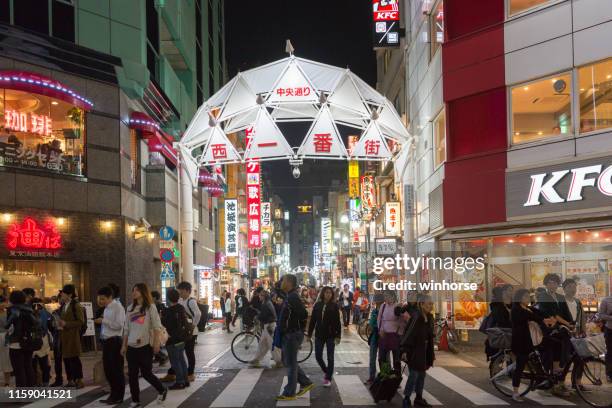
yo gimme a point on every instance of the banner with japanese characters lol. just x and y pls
(266, 215)
(231, 227)
(368, 194)
(392, 219)
(253, 204)
(326, 236)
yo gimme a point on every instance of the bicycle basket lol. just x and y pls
(591, 346)
(499, 338)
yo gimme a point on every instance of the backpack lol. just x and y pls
(31, 336)
(189, 319)
(83, 327)
(185, 327)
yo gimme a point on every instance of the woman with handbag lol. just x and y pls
(522, 340)
(390, 328)
(141, 338)
(418, 342)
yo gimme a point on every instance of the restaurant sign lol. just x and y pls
(29, 239)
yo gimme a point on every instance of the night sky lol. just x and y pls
(335, 32)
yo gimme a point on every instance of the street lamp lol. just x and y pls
(344, 219)
(336, 235)
(345, 239)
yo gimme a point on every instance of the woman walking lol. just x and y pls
(390, 328)
(418, 343)
(522, 344)
(228, 311)
(72, 320)
(325, 322)
(141, 341)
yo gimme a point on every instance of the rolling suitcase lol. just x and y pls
(385, 388)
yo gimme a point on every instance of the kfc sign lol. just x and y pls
(386, 20)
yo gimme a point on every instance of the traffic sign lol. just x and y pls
(166, 255)
(166, 244)
(166, 233)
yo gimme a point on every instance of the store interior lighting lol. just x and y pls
(6, 217)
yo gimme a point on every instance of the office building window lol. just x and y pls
(437, 26)
(152, 40)
(541, 108)
(5, 11)
(517, 6)
(32, 15)
(439, 137)
(62, 23)
(595, 96)
(135, 160)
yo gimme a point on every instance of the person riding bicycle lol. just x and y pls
(267, 319)
(522, 343)
(501, 304)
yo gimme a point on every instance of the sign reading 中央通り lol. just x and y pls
(386, 21)
(392, 219)
(326, 236)
(253, 204)
(575, 186)
(231, 227)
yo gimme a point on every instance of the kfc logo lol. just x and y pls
(385, 10)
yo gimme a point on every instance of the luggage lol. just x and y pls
(499, 338)
(385, 387)
(590, 346)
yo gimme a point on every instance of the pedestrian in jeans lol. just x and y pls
(228, 311)
(177, 326)
(390, 328)
(20, 318)
(72, 319)
(141, 338)
(241, 305)
(111, 334)
(373, 338)
(40, 358)
(325, 322)
(267, 320)
(346, 304)
(522, 345)
(418, 342)
(290, 335)
(605, 314)
(160, 357)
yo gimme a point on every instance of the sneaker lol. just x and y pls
(168, 378)
(255, 364)
(286, 398)
(177, 386)
(303, 390)
(368, 382)
(79, 384)
(517, 398)
(421, 402)
(278, 365)
(559, 390)
(162, 397)
(191, 377)
(326, 383)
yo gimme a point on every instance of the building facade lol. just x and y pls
(94, 93)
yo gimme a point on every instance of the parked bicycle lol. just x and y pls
(364, 330)
(592, 386)
(442, 323)
(245, 344)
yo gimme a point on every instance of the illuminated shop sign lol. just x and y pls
(231, 227)
(386, 21)
(368, 194)
(253, 204)
(326, 235)
(392, 219)
(29, 238)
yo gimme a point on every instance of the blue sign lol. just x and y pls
(167, 272)
(166, 233)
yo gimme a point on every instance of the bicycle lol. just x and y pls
(364, 330)
(246, 343)
(597, 392)
(442, 323)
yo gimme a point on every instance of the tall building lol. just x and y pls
(508, 102)
(93, 95)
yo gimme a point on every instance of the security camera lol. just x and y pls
(296, 172)
(145, 223)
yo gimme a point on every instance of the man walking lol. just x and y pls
(292, 322)
(605, 314)
(111, 334)
(71, 322)
(194, 314)
(346, 303)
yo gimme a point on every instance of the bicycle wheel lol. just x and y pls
(597, 390)
(501, 369)
(244, 346)
(364, 331)
(305, 350)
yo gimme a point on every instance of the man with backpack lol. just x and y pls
(24, 337)
(175, 321)
(72, 325)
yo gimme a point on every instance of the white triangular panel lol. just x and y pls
(267, 139)
(293, 86)
(198, 140)
(221, 95)
(198, 124)
(324, 77)
(295, 111)
(240, 99)
(190, 164)
(219, 149)
(241, 121)
(367, 92)
(347, 96)
(349, 118)
(372, 144)
(323, 138)
(262, 79)
(391, 123)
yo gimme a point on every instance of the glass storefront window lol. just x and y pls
(47, 278)
(41, 132)
(595, 100)
(541, 109)
(437, 27)
(439, 129)
(517, 6)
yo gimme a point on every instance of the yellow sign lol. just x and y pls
(353, 187)
(353, 169)
(304, 209)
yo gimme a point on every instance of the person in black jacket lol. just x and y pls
(418, 341)
(292, 322)
(267, 320)
(522, 344)
(174, 320)
(501, 303)
(325, 322)
(242, 303)
(345, 299)
(20, 318)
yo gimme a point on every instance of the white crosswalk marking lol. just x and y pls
(352, 391)
(427, 396)
(96, 403)
(543, 397)
(177, 397)
(464, 388)
(237, 391)
(303, 401)
(48, 403)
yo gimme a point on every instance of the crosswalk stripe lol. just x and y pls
(352, 391)
(464, 388)
(543, 398)
(177, 397)
(430, 398)
(48, 403)
(237, 391)
(96, 403)
(303, 401)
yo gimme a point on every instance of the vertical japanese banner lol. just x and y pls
(231, 227)
(368, 194)
(353, 179)
(253, 204)
(266, 215)
(392, 219)
(326, 236)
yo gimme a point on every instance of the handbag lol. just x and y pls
(486, 324)
(536, 333)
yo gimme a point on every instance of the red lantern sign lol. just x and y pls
(29, 235)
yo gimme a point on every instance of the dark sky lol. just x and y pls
(335, 32)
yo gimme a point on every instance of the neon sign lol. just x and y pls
(18, 121)
(29, 235)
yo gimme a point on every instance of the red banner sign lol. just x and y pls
(253, 204)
